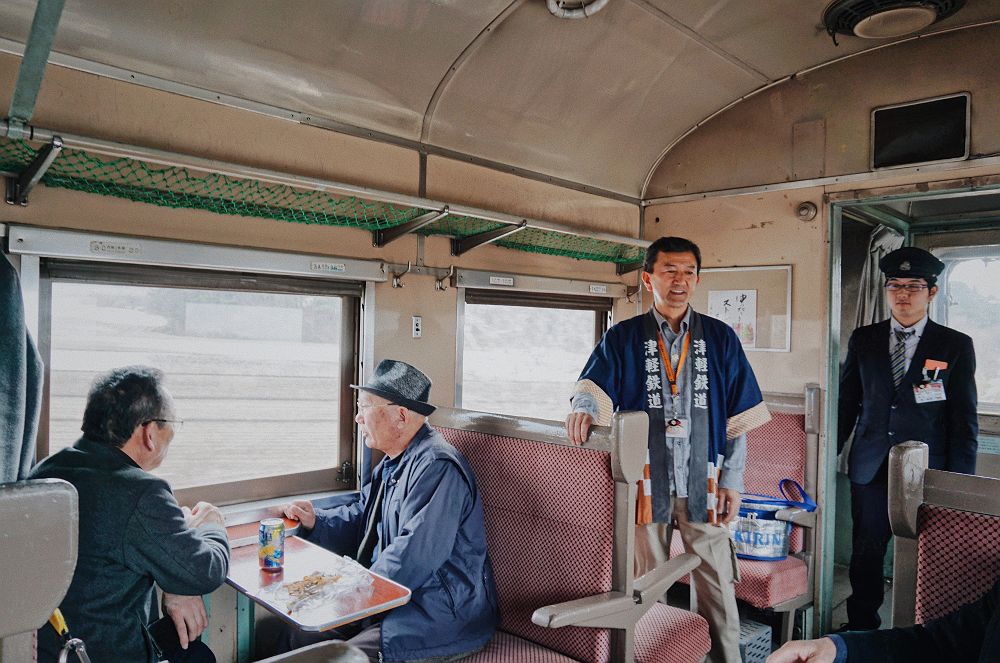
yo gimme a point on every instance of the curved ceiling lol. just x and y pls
(592, 103)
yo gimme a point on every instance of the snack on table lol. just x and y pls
(340, 587)
(312, 585)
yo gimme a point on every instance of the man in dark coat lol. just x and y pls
(907, 378)
(133, 534)
(971, 634)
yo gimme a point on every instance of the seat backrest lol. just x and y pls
(776, 451)
(559, 518)
(40, 520)
(947, 527)
(549, 513)
(958, 559)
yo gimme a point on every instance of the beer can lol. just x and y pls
(271, 544)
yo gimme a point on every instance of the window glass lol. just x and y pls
(973, 308)
(524, 360)
(254, 375)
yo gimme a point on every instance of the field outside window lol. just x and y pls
(973, 308)
(255, 376)
(523, 360)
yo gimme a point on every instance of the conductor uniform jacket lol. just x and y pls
(882, 415)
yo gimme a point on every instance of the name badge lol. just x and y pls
(929, 392)
(678, 427)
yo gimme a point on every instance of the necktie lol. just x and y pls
(370, 538)
(899, 355)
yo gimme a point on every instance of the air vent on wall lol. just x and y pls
(919, 132)
(885, 19)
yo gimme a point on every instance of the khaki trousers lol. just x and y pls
(712, 581)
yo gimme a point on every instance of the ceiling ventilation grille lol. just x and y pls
(575, 8)
(885, 19)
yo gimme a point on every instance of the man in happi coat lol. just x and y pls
(690, 374)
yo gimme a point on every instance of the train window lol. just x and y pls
(521, 354)
(971, 304)
(257, 369)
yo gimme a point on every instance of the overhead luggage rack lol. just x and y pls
(192, 188)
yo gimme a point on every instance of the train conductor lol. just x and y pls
(906, 378)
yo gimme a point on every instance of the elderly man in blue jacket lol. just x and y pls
(419, 522)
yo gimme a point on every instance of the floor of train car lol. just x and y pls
(678, 597)
(842, 589)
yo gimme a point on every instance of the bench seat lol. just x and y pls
(763, 584)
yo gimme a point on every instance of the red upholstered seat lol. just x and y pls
(549, 513)
(958, 559)
(671, 635)
(549, 527)
(775, 451)
(762, 584)
(504, 648)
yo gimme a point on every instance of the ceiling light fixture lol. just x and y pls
(885, 19)
(575, 8)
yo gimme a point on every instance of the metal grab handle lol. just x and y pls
(76, 645)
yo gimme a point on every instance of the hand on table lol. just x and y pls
(202, 514)
(302, 511)
(805, 651)
(578, 427)
(188, 615)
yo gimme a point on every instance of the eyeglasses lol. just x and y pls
(176, 423)
(908, 287)
(365, 406)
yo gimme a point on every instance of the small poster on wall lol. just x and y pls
(738, 309)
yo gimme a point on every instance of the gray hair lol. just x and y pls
(122, 399)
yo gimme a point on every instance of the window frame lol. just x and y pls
(602, 308)
(351, 293)
(951, 256)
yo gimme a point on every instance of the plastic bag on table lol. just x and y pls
(345, 582)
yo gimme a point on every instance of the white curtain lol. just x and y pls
(872, 305)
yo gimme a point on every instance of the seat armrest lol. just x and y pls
(650, 587)
(579, 612)
(797, 517)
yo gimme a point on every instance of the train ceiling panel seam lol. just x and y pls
(466, 53)
(298, 117)
(651, 172)
(588, 100)
(695, 36)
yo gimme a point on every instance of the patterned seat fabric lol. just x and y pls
(671, 635)
(762, 584)
(775, 451)
(507, 648)
(550, 531)
(958, 559)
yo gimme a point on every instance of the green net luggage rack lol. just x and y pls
(179, 187)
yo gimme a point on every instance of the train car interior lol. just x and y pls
(264, 200)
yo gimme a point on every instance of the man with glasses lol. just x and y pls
(906, 378)
(419, 522)
(132, 534)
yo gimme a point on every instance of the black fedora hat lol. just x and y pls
(401, 384)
